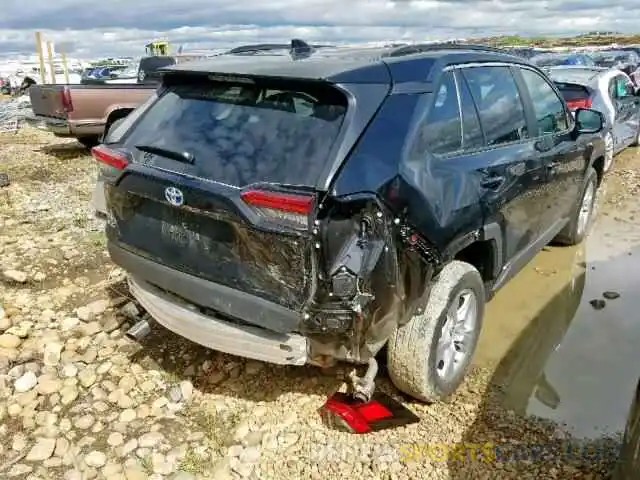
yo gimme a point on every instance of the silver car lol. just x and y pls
(609, 91)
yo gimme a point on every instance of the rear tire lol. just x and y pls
(89, 142)
(415, 355)
(580, 223)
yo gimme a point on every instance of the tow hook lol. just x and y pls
(362, 388)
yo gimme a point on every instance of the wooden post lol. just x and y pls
(51, 66)
(63, 54)
(40, 56)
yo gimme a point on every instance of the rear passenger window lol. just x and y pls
(442, 133)
(547, 106)
(499, 105)
(472, 136)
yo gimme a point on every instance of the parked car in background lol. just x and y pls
(555, 59)
(84, 111)
(627, 61)
(312, 212)
(609, 91)
(526, 52)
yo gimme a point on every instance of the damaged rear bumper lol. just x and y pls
(242, 340)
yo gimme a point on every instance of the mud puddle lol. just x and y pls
(559, 349)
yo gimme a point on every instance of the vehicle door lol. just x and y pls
(512, 172)
(625, 105)
(562, 155)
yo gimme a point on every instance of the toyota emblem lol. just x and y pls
(174, 196)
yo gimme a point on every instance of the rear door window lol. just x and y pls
(498, 101)
(551, 116)
(243, 133)
(441, 132)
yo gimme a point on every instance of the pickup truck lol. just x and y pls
(84, 111)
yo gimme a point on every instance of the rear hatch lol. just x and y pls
(52, 101)
(219, 181)
(576, 96)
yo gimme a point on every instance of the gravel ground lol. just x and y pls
(78, 400)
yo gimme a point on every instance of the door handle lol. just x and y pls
(492, 182)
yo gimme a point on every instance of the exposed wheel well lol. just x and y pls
(481, 255)
(598, 166)
(117, 115)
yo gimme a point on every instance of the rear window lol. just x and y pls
(243, 133)
(572, 92)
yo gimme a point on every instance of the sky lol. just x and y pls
(89, 28)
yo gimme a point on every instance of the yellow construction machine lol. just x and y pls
(157, 48)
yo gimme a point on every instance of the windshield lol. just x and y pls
(245, 133)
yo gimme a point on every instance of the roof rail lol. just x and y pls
(428, 47)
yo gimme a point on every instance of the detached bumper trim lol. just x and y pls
(244, 341)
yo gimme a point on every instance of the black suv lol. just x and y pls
(312, 207)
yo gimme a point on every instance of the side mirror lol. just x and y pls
(588, 121)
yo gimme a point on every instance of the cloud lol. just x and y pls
(122, 27)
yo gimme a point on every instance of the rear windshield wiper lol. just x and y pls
(186, 157)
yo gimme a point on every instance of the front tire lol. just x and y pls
(578, 227)
(429, 356)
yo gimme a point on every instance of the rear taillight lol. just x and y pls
(110, 157)
(67, 104)
(579, 103)
(281, 207)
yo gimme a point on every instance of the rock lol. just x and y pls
(19, 442)
(92, 310)
(89, 330)
(42, 450)
(84, 422)
(135, 474)
(186, 388)
(25, 383)
(253, 367)
(250, 455)
(5, 321)
(609, 295)
(129, 447)
(161, 465)
(130, 310)
(598, 304)
(127, 383)
(48, 384)
(69, 323)
(19, 470)
(87, 377)
(68, 395)
(95, 459)
(62, 447)
(115, 439)
(253, 438)
(235, 450)
(15, 276)
(73, 475)
(151, 439)
(127, 415)
(52, 354)
(8, 340)
(69, 370)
